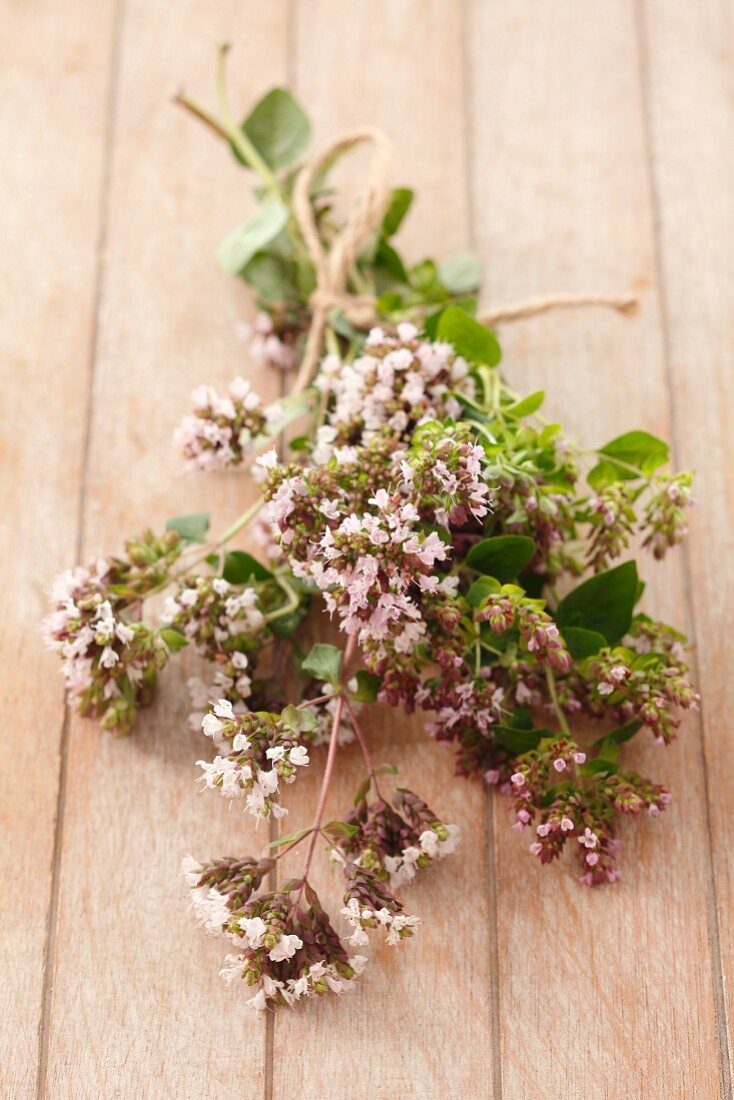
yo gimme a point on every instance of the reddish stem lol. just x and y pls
(319, 699)
(363, 745)
(331, 757)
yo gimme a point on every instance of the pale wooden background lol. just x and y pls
(577, 145)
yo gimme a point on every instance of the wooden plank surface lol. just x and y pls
(589, 979)
(387, 1043)
(583, 147)
(53, 96)
(138, 1005)
(688, 60)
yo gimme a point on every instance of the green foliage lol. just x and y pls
(174, 639)
(240, 567)
(238, 247)
(621, 733)
(400, 203)
(526, 406)
(480, 589)
(192, 528)
(582, 643)
(274, 277)
(470, 339)
(462, 273)
(278, 127)
(290, 838)
(643, 452)
(603, 603)
(503, 556)
(324, 663)
(368, 686)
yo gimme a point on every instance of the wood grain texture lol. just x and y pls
(607, 993)
(688, 58)
(583, 146)
(138, 1005)
(394, 1034)
(53, 82)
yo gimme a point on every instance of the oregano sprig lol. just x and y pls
(475, 558)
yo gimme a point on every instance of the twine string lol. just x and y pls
(334, 264)
(332, 267)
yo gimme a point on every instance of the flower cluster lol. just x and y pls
(110, 660)
(215, 615)
(399, 382)
(271, 347)
(222, 887)
(612, 521)
(511, 607)
(369, 904)
(641, 687)
(263, 750)
(577, 800)
(395, 841)
(287, 948)
(373, 563)
(470, 553)
(665, 516)
(221, 429)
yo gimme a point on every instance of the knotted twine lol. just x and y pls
(334, 265)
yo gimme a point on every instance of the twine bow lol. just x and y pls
(333, 265)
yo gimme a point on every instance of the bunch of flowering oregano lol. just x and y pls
(467, 549)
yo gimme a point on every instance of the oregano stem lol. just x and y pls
(551, 681)
(236, 134)
(363, 745)
(331, 757)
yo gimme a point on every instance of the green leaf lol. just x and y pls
(174, 639)
(483, 587)
(368, 686)
(290, 838)
(239, 246)
(278, 128)
(389, 261)
(603, 603)
(324, 663)
(604, 473)
(400, 202)
(639, 449)
(526, 406)
(599, 765)
(390, 302)
(193, 527)
(339, 830)
(503, 557)
(462, 273)
(622, 733)
(297, 719)
(362, 790)
(431, 323)
(582, 643)
(387, 769)
(608, 748)
(470, 339)
(272, 277)
(519, 741)
(520, 719)
(240, 567)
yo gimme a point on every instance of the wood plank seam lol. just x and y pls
(49, 950)
(290, 69)
(489, 797)
(712, 901)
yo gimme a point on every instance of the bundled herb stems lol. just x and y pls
(476, 560)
